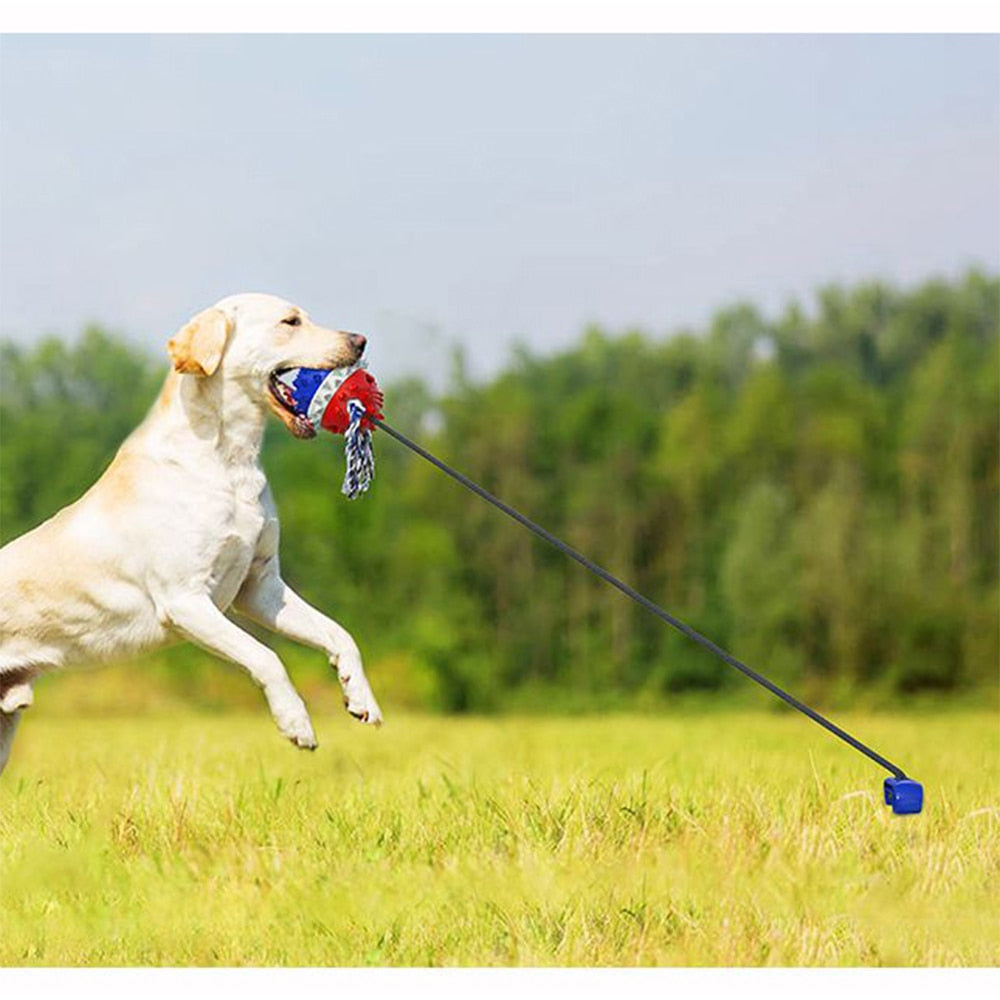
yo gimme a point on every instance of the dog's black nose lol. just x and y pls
(357, 341)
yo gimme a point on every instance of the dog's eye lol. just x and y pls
(292, 321)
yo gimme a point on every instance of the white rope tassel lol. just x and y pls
(359, 454)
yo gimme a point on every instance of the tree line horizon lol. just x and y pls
(816, 491)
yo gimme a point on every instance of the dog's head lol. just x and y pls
(253, 338)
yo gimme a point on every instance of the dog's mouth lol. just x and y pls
(284, 405)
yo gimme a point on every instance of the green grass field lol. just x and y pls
(720, 838)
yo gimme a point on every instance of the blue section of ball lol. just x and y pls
(307, 381)
(905, 795)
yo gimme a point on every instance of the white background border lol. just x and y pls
(494, 15)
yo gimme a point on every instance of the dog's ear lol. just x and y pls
(196, 349)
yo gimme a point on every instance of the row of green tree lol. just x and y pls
(817, 492)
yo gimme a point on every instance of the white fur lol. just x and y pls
(180, 530)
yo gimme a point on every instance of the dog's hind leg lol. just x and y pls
(15, 695)
(8, 726)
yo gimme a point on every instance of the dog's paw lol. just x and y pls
(294, 723)
(360, 702)
(370, 716)
(305, 742)
(358, 698)
(301, 734)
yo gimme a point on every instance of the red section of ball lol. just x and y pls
(360, 385)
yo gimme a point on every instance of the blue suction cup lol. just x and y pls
(905, 795)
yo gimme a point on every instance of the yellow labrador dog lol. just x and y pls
(181, 529)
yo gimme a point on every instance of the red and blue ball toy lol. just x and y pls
(342, 401)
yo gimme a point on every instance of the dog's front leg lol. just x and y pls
(268, 600)
(198, 619)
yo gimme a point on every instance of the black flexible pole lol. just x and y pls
(641, 599)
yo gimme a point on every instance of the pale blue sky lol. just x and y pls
(482, 189)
